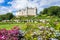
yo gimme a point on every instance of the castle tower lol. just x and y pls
(32, 11)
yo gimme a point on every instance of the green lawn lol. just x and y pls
(9, 26)
(21, 25)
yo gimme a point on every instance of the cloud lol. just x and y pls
(21, 4)
(18, 4)
(1, 1)
(4, 10)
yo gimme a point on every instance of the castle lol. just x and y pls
(27, 12)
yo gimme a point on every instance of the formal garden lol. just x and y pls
(44, 26)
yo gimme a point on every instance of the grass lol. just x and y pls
(22, 26)
(9, 26)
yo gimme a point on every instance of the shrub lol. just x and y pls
(13, 34)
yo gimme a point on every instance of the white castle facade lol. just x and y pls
(27, 12)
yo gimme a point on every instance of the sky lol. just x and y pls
(15, 5)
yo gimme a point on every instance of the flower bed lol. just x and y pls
(30, 33)
(13, 34)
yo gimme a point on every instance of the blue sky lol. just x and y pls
(15, 5)
(5, 3)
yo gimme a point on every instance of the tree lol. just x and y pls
(52, 11)
(44, 11)
(0, 17)
(9, 16)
